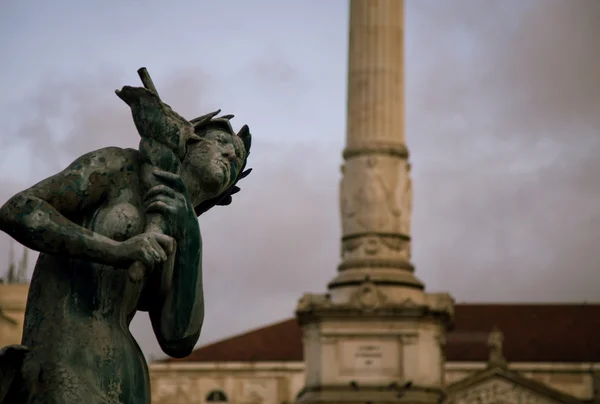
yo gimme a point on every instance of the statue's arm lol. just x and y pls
(38, 216)
(177, 320)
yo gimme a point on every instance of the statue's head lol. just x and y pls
(214, 161)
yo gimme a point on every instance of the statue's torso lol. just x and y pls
(78, 313)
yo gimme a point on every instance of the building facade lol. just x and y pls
(495, 353)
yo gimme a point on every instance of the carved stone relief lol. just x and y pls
(394, 248)
(376, 203)
(257, 391)
(498, 390)
(373, 193)
(441, 303)
(312, 301)
(368, 297)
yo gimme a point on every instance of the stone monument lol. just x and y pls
(117, 232)
(376, 336)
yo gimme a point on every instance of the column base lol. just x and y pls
(374, 348)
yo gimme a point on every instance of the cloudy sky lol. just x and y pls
(503, 123)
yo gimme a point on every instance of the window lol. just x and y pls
(216, 396)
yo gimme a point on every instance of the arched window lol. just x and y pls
(216, 396)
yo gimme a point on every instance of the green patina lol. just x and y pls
(118, 232)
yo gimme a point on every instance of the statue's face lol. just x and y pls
(212, 164)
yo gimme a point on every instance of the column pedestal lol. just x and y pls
(372, 349)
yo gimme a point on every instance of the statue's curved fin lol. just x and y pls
(201, 120)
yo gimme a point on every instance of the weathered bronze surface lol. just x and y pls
(117, 232)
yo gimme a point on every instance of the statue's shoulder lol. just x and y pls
(112, 159)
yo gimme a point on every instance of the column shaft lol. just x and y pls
(376, 190)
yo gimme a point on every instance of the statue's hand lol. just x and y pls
(171, 200)
(148, 248)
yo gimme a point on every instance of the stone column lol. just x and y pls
(376, 189)
(376, 336)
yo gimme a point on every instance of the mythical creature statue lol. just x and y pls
(117, 231)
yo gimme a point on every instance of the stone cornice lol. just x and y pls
(296, 366)
(369, 300)
(227, 367)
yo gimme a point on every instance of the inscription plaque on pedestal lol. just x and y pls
(370, 357)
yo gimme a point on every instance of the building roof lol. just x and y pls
(532, 333)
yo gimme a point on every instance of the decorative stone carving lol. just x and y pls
(498, 390)
(368, 297)
(372, 195)
(375, 204)
(311, 301)
(441, 303)
(372, 245)
(376, 246)
(393, 243)
(409, 304)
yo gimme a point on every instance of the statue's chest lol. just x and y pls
(120, 218)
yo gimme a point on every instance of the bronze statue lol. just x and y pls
(117, 232)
